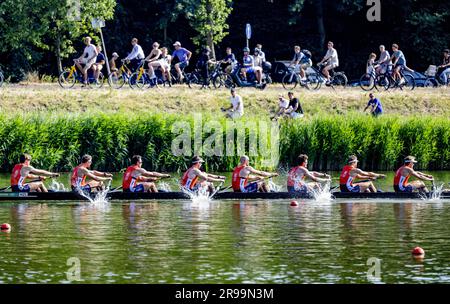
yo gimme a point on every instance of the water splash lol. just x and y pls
(436, 194)
(198, 197)
(56, 187)
(163, 186)
(274, 187)
(100, 199)
(322, 195)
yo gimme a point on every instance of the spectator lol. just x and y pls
(444, 69)
(249, 66)
(377, 108)
(203, 65)
(384, 61)
(136, 55)
(112, 62)
(261, 53)
(331, 61)
(183, 56)
(87, 59)
(283, 105)
(228, 61)
(370, 67)
(236, 108)
(295, 109)
(98, 65)
(258, 60)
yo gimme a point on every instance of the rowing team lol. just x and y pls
(244, 179)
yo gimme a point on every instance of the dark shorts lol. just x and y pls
(183, 65)
(138, 188)
(85, 188)
(250, 188)
(250, 70)
(356, 189)
(303, 189)
(25, 188)
(407, 189)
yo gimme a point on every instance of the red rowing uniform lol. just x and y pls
(239, 183)
(129, 181)
(189, 183)
(400, 181)
(293, 179)
(75, 180)
(16, 178)
(346, 181)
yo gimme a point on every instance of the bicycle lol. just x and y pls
(141, 78)
(336, 78)
(367, 82)
(387, 80)
(117, 79)
(69, 77)
(293, 78)
(433, 80)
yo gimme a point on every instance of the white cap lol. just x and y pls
(177, 43)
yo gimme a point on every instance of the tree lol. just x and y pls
(209, 19)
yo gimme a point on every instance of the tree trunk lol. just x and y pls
(209, 35)
(210, 43)
(165, 33)
(58, 54)
(320, 23)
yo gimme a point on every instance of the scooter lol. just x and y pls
(234, 79)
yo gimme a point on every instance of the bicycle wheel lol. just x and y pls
(314, 81)
(409, 82)
(67, 79)
(290, 81)
(367, 82)
(383, 81)
(431, 83)
(138, 81)
(339, 80)
(229, 83)
(219, 80)
(101, 81)
(117, 81)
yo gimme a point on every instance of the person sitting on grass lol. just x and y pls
(236, 108)
(283, 105)
(375, 103)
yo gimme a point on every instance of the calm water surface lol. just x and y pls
(225, 241)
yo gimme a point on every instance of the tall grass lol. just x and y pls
(57, 141)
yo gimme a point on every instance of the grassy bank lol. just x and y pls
(180, 99)
(56, 141)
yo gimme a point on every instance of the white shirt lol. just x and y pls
(90, 52)
(137, 53)
(238, 105)
(284, 103)
(332, 56)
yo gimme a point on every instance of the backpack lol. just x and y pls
(307, 53)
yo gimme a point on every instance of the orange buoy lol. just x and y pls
(5, 227)
(418, 251)
(294, 204)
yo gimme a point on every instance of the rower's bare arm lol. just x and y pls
(97, 177)
(43, 172)
(316, 176)
(422, 176)
(101, 174)
(261, 173)
(152, 174)
(216, 176)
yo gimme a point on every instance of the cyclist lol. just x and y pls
(384, 61)
(87, 59)
(399, 61)
(249, 66)
(183, 56)
(258, 59)
(370, 66)
(444, 69)
(203, 65)
(302, 61)
(227, 62)
(164, 63)
(99, 63)
(153, 59)
(331, 61)
(136, 55)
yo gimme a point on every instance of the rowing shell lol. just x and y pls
(118, 195)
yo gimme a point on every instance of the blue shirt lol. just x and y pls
(230, 57)
(100, 58)
(377, 105)
(248, 61)
(401, 58)
(181, 54)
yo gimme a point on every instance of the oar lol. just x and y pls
(218, 188)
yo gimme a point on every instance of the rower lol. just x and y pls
(195, 180)
(79, 174)
(351, 172)
(243, 181)
(404, 172)
(24, 171)
(137, 179)
(297, 175)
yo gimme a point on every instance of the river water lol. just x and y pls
(226, 241)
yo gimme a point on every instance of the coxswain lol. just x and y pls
(137, 179)
(351, 172)
(297, 176)
(401, 179)
(246, 179)
(23, 171)
(81, 172)
(195, 180)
